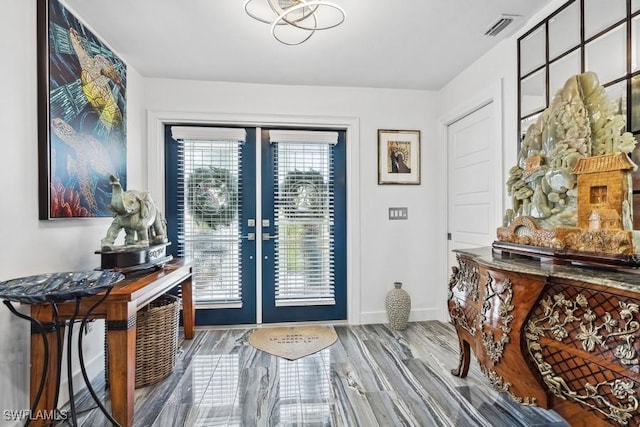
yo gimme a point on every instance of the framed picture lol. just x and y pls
(398, 157)
(81, 117)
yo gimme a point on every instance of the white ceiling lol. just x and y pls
(409, 44)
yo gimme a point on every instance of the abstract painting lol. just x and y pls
(81, 117)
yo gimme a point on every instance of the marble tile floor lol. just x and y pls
(372, 376)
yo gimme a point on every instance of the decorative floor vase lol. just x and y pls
(398, 305)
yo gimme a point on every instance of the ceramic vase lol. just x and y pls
(398, 305)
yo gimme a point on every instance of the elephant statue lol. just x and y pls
(138, 215)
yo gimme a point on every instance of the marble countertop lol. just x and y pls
(621, 278)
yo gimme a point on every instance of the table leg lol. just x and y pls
(47, 403)
(121, 339)
(87, 381)
(188, 309)
(72, 399)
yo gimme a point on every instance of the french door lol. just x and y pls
(262, 213)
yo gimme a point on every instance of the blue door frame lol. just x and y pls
(270, 312)
(220, 316)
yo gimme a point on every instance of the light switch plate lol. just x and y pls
(398, 213)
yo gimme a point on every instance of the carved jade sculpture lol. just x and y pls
(571, 189)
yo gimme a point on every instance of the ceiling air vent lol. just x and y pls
(500, 24)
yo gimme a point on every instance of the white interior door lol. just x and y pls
(472, 172)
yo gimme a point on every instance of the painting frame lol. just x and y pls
(82, 138)
(399, 160)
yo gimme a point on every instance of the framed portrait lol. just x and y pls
(82, 138)
(398, 157)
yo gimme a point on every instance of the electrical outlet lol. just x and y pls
(398, 213)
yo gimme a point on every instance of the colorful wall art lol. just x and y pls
(81, 116)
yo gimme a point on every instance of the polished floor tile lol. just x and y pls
(372, 376)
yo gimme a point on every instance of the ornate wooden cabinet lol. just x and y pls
(556, 336)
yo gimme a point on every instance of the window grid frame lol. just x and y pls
(628, 76)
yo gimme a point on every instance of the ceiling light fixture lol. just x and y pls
(303, 17)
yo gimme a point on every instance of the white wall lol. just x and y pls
(388, 250)
(496, 68)
(31, 246)
(407, 251)
(498, 64)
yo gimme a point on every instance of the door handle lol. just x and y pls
(267, 236)
(249, 236)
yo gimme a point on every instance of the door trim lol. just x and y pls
(492, 94)
(156, 120)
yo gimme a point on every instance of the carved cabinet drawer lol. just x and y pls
(584, 341)
(505, 300)
(558, 336)
(488, 309)
(463, 296)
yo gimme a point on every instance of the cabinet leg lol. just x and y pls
(465, 357)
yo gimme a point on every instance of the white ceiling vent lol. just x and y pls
(500, 24)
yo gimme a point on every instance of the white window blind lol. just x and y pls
(194, 133)
(304, 217)
(208, 232)
(215, 382)
(304, 390)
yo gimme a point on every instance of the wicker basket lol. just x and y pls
(156, 341)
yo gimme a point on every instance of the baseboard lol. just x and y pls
(416, 315)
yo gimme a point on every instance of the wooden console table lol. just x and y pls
(119, 310)
(557, 336)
